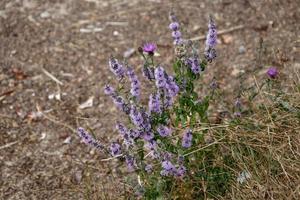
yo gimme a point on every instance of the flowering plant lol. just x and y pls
(159, 141)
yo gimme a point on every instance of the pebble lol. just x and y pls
(45, 14)
(242, 49)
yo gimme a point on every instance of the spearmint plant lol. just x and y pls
(159, 142)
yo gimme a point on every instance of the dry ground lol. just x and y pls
(40, 156)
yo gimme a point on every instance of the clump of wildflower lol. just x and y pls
(154, 103)
(116, 67)
(115, 149)
(272, 72)
(187, 139)
(211, 41)
(135, 84)
(164, 131)
(88, 139)
(149, 48)
(160, 79)
(174, 26)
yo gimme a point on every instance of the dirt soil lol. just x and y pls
(54, 64)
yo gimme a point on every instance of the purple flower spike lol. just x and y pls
(154, 103)
(176, 34)
(134, 133)
(121, 128)
(119, 102)
(193, 63)
(160, 79)
(148, 136)
(135, 84)
(211, 41)
(174, 26)
(88, 139)
(130, 161)
(164, 131)
(151, 145)
(272, 72)
(211, 38)
(136, 116)
(187, 139)
(115, 149)
(181, 171)
(116, 68)
(149, 48)
(168, 168)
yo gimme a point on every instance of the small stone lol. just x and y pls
(115, 33)
(242, 49)
(129, 53)
(45, 14)
(227, 39)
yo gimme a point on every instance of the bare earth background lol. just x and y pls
(40, 155)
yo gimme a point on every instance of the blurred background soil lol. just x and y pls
(54, 64)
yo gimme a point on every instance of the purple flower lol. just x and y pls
(168, 168)
(108, 90)
(211, 41)
(154, 103)
(164, 131)
(193, 63)
(181, 170)
(146, 121)
(148, 168)
(134, 133)
(115, 149)
(135, 84)
(149, 48)
(148, 136)
(272, 72)
(237, 114)
(168, 101)
(174, 26)
(176, 34)
(238, 103)
(116, 68)
(151, 145)
(88, 139)
(148, 72)
(160, 79)
(136, 116)
(119, 102)
(121, 128)
(211, 37)
(172, 87)
(187, 139)
(130, 161)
